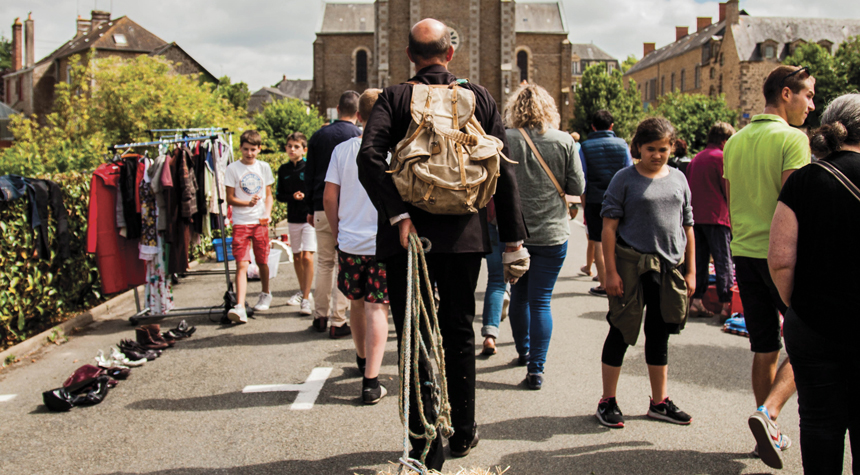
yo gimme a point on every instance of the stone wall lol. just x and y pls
(334, 70)
(549, 54)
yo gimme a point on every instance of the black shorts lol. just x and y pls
(362, 277)
(593, 221)
(761, 302)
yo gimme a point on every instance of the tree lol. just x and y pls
(848, 63)
(130, 97)
(236, 94)
(281, 118)
(5, 53)
(693, 115)
(628, 63)
(829, 84)
(601, 90)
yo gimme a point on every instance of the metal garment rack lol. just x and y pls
(146, 313)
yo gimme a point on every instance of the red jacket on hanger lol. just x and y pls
(116, 257)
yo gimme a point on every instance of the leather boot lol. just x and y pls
(155, 332)
(146, 341)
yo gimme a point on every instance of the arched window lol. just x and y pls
(523, 65)
(360, 66)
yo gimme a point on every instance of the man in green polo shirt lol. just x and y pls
(757, 161)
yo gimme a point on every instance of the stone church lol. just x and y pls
(497, 43)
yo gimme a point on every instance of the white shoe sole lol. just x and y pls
(261, 308)
(305, 312)
(381, 395)
(767, 452)
(236, 318)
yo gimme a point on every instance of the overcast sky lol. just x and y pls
(259, 41)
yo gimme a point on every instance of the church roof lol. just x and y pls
(752, 31)
(682, 46)
(588, 51)
(547, 17)
(348, 18)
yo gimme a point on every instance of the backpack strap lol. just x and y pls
(543, 164)
(840, 177)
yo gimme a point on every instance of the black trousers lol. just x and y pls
(456, 278)
(656, 330)
(713, 240)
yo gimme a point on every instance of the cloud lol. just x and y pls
(258, 42)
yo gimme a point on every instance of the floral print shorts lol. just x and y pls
(361, 277)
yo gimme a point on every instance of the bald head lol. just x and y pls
(429, 43)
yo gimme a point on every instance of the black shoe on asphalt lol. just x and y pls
(372, 396)
(534, 380)
(597, 291)
(458, 451)
(609, 414)
(523, 360)
(320, 324)
(339, 332)
(669, 412)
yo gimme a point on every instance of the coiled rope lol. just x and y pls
(412, 347)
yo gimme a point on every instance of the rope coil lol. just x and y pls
(412, 348)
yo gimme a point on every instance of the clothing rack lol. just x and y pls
(221, 130)
(145, 313)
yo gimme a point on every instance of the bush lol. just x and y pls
(693, 115)
(281, 118)
(39, 293)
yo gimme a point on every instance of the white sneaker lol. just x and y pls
(295, 300)
(237, 314)
(107, 363)
(263, 302)
(306, 307)
(120, 358)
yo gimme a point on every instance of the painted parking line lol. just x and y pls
(308, 391)
(7, 397)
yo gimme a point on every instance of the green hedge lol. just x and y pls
(35, 293)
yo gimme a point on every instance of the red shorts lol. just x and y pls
(259, 234)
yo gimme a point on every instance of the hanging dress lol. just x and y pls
(159, 291)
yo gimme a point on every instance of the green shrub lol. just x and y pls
(39, 293)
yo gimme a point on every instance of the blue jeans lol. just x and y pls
(531, 318)
(495, 294)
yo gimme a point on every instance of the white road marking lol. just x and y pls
(308, 391)
(7, 397)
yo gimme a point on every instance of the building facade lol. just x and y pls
(731, 57)
(29, 87)
(497, 43)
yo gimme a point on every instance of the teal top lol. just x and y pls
(545, 213)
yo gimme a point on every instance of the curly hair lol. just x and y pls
(530, 106)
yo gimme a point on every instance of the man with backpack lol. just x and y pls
(459, 241)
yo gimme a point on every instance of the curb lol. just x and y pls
(36, 342)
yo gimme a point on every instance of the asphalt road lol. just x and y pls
(186, 413)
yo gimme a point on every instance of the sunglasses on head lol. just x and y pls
(798, 71)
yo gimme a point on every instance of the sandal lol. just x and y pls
(489, 346)
(585, 270)
(700, 310)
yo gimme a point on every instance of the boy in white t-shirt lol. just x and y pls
(249, 190)
(360, 277)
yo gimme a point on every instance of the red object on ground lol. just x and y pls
(712, 302)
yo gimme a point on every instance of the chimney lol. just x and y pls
(681, 31)
(100, 17)
(29, 41)
(83, 25)
(723, 11)
(732, 12)
(285, 77)
(648, 48)
(702, 22)
(16, 45)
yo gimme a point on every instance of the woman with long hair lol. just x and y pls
(548, 168)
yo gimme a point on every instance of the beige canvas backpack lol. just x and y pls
(446, 164)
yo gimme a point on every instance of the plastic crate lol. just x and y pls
(219, 253)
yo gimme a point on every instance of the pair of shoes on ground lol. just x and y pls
(116, 360)
(238, 314)
(320, 324)
(770, 442)
(151, 338)
(305, 304)
(134, 350)
(609, 414)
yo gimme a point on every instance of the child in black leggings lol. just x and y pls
(648, 248)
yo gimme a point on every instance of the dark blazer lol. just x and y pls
(320, 146)
(449, 234)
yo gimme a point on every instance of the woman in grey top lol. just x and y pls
(531, 110)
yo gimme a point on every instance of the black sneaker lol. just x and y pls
(597, 291)
(609, 414)
(372, 396)
(339, 332)
(669, 412)
(534, 380)
(320, 324)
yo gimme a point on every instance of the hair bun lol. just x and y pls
(828, 138)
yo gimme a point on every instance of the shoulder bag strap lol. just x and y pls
(851, 187)
(544, 165)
